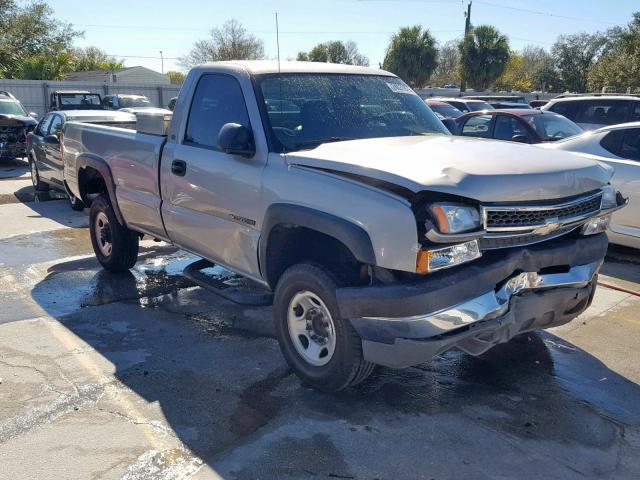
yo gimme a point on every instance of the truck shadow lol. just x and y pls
(219, 387)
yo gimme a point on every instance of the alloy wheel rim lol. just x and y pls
(311, 328)
(102, 229)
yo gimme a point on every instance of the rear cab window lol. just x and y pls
(623, 143)
(218, 100)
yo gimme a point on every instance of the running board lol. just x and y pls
(227, 284)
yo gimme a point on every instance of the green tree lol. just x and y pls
(28, 31)
(448, 68)
(176, 78)
(484, 55)
(47, 67)
(94, 58)
(514, 77)
(231, 41)
(335, 51)
(539, 68)
(618, 68)
(412, 55)
(574, 55)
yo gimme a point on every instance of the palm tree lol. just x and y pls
(412, 55)
(484, 56)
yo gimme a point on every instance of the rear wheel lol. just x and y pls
(322, 348)
(38, 184)
(115, 246)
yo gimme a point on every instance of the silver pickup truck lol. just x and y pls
(383, 239)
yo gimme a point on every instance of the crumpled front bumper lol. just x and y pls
(547, 285)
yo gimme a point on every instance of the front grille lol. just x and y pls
(529, 217)
(518, 240)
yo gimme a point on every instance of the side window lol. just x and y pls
(567, 109)
(56, 125)
(43, 126)
(508, 127)
(635, 115)
(478, 126)
(630, 147)
(217, 100)
(604, 112)
(612, 142)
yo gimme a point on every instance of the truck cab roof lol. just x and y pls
(258, 67)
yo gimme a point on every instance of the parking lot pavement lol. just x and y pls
(144, 376)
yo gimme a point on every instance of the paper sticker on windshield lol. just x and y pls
(399, 87)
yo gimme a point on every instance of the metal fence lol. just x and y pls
(34, 94)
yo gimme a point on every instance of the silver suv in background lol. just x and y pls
(596, 111)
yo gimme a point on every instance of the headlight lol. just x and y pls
(609, 199)
(432, 260)
(455, 217)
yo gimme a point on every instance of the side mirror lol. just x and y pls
(451, 125)
(33, 114)
(520, 139)
(236, 139)
(52, 140)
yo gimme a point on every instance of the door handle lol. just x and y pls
(179, 167)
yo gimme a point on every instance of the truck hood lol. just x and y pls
(484, 170)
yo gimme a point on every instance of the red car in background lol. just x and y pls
(517, 125)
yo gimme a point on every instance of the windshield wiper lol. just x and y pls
(315, 143)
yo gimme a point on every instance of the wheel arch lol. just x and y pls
(94, 176)
(337, 235)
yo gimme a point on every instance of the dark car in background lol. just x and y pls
(446, 113)
(538, 103)
(45, 145)
(15, 124)
(75, 100)
(517, 125)
(596, 111)
(465, 104)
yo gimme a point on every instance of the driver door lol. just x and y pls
(211, 199)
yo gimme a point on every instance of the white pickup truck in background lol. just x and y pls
(384, 239)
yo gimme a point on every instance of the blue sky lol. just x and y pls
(141, 28)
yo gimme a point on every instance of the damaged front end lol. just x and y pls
(13, 135)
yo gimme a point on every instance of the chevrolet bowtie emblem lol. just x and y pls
(550, 226)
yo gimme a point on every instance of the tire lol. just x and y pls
(38, 185)
(115, 246)
(75, 203)
(342, 365)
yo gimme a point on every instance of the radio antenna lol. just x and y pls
(278, 41)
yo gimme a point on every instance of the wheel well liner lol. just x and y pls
(353, 237)
(87, 162)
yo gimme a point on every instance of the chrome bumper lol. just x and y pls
(486, 320)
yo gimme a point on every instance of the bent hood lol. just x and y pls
(484, 170)
(16, 121)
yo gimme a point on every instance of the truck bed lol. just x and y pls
(133, 158)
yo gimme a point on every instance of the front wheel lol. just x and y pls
(115, 246)
(322, 348)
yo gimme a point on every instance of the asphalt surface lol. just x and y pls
(145, 376)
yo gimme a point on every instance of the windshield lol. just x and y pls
(445, 111)
(131, 102)
(552, 127)
(79, 99)
(306, 110)
(9, 107)
(476, 106)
